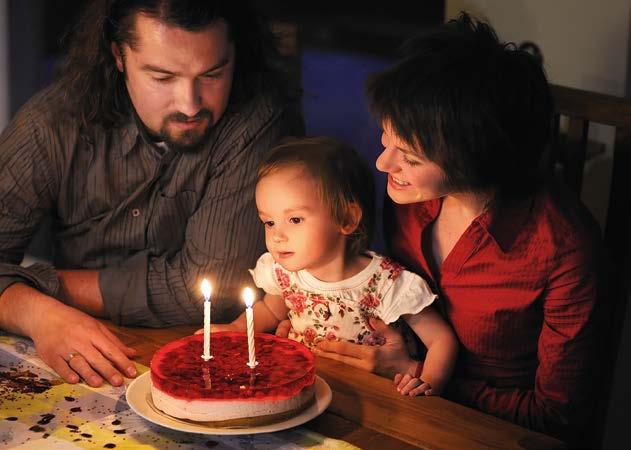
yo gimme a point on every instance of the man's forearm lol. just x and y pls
(80, 289)
(20, 306)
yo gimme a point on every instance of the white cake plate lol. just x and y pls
(139, 399)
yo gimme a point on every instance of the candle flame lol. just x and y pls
(248, 297)
(206, 289)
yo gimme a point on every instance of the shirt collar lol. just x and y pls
(501, 222)
(127, 136)
(504, 221)
(131, 131)
(425, 212)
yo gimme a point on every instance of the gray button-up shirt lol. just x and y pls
(153, 222)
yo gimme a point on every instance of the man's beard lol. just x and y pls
(187, 140)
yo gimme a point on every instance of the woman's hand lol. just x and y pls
(75, 345)
(386, 360)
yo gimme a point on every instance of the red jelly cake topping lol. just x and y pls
(284, 368)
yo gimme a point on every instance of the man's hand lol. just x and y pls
(72, 343)
(386, 360)
(76, 346)
(216, 327)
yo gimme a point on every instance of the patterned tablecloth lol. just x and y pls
(39, 411)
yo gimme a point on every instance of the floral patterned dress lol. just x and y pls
(340, 310)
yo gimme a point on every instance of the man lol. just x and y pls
(144, 152)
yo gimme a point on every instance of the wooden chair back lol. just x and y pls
(569, 154)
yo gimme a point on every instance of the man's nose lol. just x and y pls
(189, 100)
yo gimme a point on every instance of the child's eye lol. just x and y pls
(411, 162)
(268, 223)
(296, 220)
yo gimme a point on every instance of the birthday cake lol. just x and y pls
(224, 390)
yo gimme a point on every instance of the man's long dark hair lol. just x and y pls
(94, 90)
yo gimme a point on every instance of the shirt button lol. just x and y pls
(135, 212)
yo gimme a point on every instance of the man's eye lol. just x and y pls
(213, 75)
(295, 220)
(163, 79)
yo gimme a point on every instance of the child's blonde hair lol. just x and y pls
(342, 175)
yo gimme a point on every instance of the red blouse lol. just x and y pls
(519, 289)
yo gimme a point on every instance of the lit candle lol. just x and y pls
(206, 290)
(248, 297)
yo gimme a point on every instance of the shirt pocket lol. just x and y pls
(169, 219)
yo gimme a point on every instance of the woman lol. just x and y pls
(465, 121)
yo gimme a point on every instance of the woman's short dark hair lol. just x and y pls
(477, 107)
(95, 90)
(342, 175)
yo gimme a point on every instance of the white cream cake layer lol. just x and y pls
(213, 410)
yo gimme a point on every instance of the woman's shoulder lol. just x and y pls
(561, 213)
(549, 223)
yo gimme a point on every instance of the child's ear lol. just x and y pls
(353, 217)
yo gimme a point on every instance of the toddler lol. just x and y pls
(315, 199)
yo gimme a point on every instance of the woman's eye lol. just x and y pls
(411, 162)
(295, 220)
(268, 224)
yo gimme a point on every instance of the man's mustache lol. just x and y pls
(181, 117)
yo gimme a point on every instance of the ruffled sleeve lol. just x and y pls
(264, 275)
(408, 294)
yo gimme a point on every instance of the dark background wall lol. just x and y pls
(37, 28)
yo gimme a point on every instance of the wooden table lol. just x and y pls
(368, 412)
